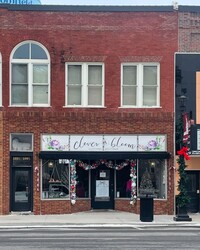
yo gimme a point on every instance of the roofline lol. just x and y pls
(188, 8)
(87, 8)
(100, 8)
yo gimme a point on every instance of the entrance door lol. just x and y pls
(193, 191)
(21, 191)
(102, 188)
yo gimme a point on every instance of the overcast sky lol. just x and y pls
(120, 2)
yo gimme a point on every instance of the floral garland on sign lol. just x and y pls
(73, 182)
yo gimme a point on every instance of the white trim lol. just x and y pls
(30, 63)
(139, 84)
(84, 84)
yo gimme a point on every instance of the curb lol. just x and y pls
(137, 226)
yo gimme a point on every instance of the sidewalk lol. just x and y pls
(90, 219)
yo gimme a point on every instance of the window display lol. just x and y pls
(152, 178)
(55, 179)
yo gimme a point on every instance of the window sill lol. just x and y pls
(22, 106)
(85, 107)
(144, 107)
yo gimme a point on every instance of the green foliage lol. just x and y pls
(182, 198)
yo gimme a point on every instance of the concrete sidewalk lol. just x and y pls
(90, 219)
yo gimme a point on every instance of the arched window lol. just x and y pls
(30, 75)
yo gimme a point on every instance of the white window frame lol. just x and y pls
(139, 85)
(0, 80)
(30, 63)
(84, 83)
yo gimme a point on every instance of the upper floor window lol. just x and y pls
(30, 75)
(0, 80)
(140, 85)
(85, 84)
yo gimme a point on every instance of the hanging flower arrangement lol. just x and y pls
(73, 182)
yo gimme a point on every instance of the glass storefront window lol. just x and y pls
(152, 178)
(82, 188)
(122, 178)
(55, 179)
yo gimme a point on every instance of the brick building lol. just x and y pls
(87, 104)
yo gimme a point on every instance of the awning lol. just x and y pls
(102, 155)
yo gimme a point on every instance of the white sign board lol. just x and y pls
(118, 143)
(198, 139)
(102, 188)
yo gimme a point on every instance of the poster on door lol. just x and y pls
(102, 188)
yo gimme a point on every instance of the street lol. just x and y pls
(101, 238)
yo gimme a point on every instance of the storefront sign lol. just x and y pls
(119, 143)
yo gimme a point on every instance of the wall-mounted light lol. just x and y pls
(50, 164)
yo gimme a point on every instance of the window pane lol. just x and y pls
(22, 52)
(150, 75)
(129, 75)
(74, 95)
(149, 96)
(95, 96)
(152, 178)
(37, 52)
(19, 73)
(95, 75)
(40, 94)
(40, 74)
(74, 74)
(20, 94)
(122, 176)
(55, 180)
(82, 188)
(21, 142)
(129, 95)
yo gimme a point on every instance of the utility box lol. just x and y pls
(146, 209)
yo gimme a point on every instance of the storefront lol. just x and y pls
(103, 168)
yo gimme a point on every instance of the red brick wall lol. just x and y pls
(189, 36)
(111, 38)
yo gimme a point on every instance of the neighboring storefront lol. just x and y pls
(188, 105)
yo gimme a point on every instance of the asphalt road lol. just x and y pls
(101, 238)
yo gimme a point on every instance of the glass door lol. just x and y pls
(21, 190)
(193, 191)
(102, 188)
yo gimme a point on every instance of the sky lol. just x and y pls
(120, 2)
